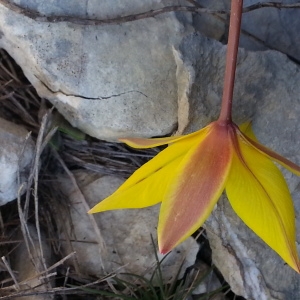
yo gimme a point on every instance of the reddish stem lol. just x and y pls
(231, 57)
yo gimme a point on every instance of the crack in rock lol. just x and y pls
(89, 98)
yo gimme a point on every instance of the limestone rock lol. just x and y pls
(262, 29)
(267, 92)
(276, 28)
(111, 80)
(13, 159)
(125, 243)
(209, 25)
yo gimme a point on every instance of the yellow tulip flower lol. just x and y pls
(189, 176)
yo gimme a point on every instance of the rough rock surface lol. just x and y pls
(267, 91)
(276, 28)
(16, 155)
(124, 241)
(262, 29)
(111, 80)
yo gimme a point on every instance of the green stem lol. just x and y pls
(231, 57)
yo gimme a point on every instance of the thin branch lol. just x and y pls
(35, 190)
(10, 271)
(42, 273)
(58, 290)
(277, 5)
(34, 15)
(81, 197)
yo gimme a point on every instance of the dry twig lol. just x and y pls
(11, 273)
(35, 15)
(100, 239)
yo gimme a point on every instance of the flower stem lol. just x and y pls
(231, 57)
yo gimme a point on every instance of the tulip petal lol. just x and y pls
(246, 129)
(292, 167)
(259, 195)
(141, 143)
(147, 185)
(147, 192)
(192, 195)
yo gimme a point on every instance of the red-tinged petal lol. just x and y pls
(147, 185)
(192, 195)
(271, 154)
(259, 195)
(141, 143)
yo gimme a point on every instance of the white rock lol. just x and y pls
(267, 91)
(126, 234)
(111, 80)
(13, 159)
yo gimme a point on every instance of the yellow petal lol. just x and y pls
(154, 142)
(292, 167)
(246, 129)
(259, 195)
(147, 192)
(192, 195)
(147, 185)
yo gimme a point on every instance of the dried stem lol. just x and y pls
(10, 271)
(231, 57)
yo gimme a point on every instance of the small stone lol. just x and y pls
(16, 154)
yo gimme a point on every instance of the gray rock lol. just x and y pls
(110, 81)
(267, 91)
(126, 234)
(212, 26)
(262, 29)
(16, 155)
(276, 28)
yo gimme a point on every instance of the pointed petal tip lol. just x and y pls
(164, 250)
(96, 209)
(144, 143)
(91, 211)
(297, 266)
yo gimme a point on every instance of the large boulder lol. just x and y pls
(110, 80)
